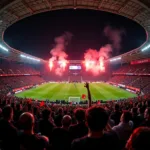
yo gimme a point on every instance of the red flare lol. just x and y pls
(83, 96)
(50, 64)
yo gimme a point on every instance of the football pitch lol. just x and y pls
(62, 91)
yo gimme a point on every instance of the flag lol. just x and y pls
(42, 103)
(98, 103)
(131, 102)
(83, 96)
(29, 101)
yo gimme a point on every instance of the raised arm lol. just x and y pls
(89, 94)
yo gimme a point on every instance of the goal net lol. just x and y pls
(74, 99)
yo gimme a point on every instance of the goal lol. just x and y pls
(74, 99)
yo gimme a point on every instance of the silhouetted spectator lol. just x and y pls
(97, 119)
(139, 140)
(17, 112)
(135, 118)
(36, 117)
(80, 129)
(140, 115)
(61, 139)
(45, 124)
(146, 122)
(66, 122)
(111, 122)
(58, 117)
(8, 133)
(148, 103)
(116, 114)
(124, 128)
(28, 139)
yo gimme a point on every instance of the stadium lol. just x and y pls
(59, 86)
(75, 70)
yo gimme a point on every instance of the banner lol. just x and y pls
(22, 88)
(125, 87)
(140, 61)
(132, 74)
(133, 88)
(14, 75)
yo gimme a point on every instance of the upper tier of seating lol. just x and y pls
(139, 68)
(9, 83)
(10, 67)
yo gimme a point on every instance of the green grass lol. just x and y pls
(59, 91)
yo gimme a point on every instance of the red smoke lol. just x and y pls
(115, 36)
(58, 54)
(63, 64)
(94, 60)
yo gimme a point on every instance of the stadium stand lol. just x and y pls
(136, 76)
(12, 67)
(15, 75)
(47, 125)
(7, 84)
(42, 125)
(139, 68)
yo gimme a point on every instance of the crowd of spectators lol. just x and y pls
(34, 125)
(138, 68)
(7, 84)
(16, 75)
(141, 82)
(11, 67)
(118, 125)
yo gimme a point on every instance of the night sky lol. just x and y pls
(35, 35)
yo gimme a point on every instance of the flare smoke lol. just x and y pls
(94, 59)
(58, 52)
(115, 36)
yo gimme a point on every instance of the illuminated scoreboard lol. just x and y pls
(75, 67)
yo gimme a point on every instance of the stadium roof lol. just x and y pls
(12, 11)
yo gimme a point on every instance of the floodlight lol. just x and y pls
(146, 48)
(31, 58)
(3, 48)
(115, 59)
